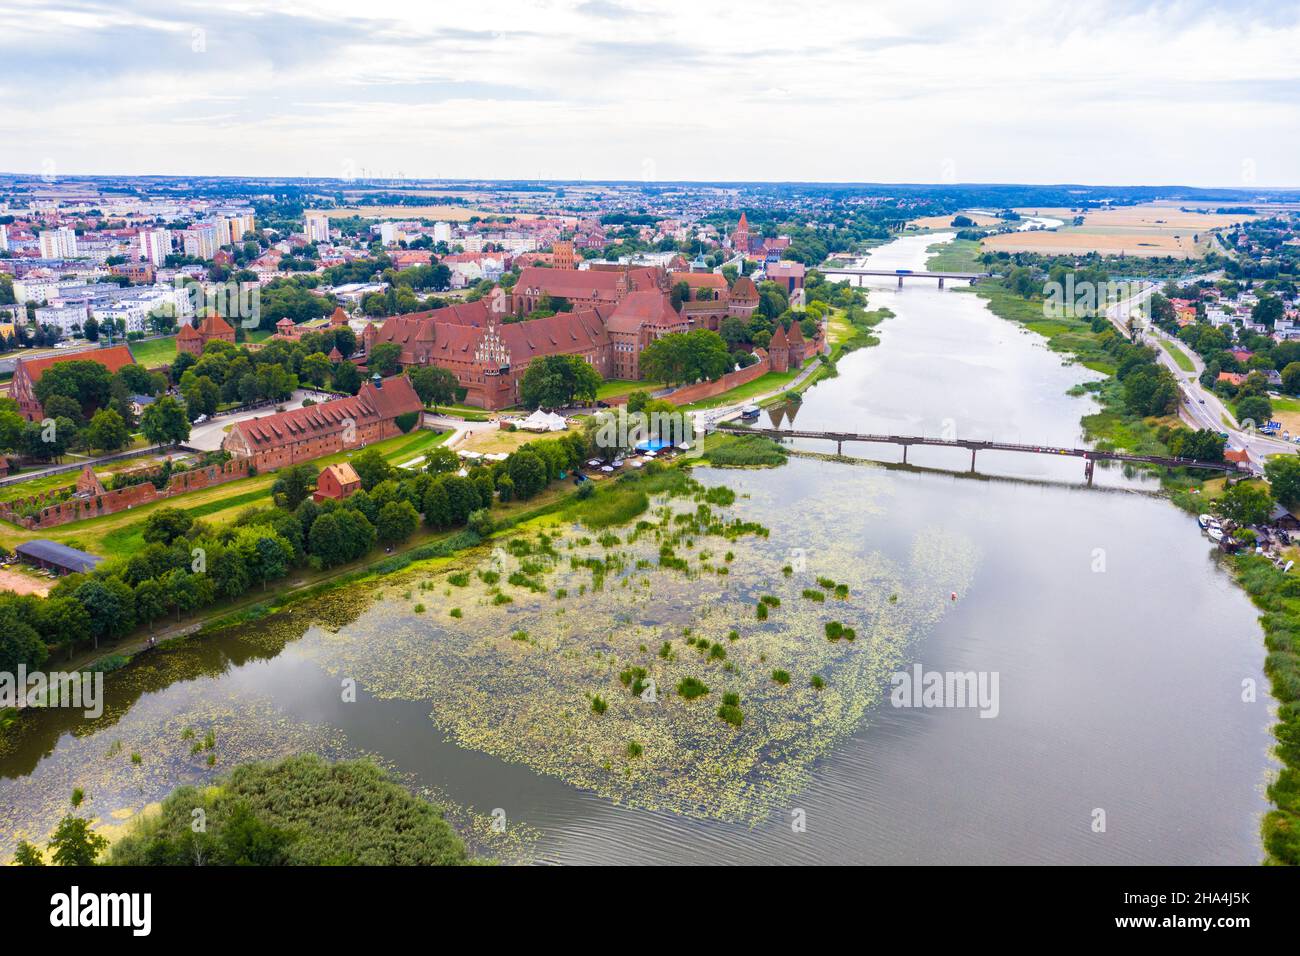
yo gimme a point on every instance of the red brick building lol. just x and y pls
(27, 372)
(337, 482)
(213, 328)
(302, 434)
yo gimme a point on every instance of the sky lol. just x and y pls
(1089, 91)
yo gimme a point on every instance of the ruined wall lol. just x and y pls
(65, 511)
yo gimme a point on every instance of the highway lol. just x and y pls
(1200, 407)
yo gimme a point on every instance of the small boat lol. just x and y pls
(1215, 533)
(750, 411)
(1205, 521)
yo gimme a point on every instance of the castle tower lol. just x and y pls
(740, 238)
(778, 350)
(562, 256)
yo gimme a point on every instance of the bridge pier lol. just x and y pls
(1088, 464)
(905, 454)
(972, 459)
(839, 449)
(940, 282)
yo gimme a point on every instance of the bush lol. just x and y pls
(691, 688)
(781, 677)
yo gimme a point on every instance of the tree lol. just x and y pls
(441, 460)
(435, 385)
(166, 525)
(1283, 473)
(75, 844)
(107, 431)
(1245, 503)
(165, 422)
(372, 468)
(554, 381)
(397, 522)
(294, 485)
(1254, 408)
(686, 357)
(27, 855)
(386, 358)
(527, 472)
(85, 381)
(347, 378)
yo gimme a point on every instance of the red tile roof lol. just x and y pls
(112, 359)
(371, 404)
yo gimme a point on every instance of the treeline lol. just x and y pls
(187, 565)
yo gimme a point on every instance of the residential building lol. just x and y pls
(155, 245)
(316, 226)
(58, 243)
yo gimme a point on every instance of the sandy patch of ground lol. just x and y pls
(488, 439)
(20, 583)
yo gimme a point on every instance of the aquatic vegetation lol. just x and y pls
(460, 579)
(817, 682)
(691, 688)
(814, 595)
(455, 612)
(780, 676)
(598, 704)
(634, 750)
(761, 611)
(835, 631)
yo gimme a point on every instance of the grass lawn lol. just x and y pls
(25, 489)
(960, 255)
(614, 387)
(1179, 356)
(119, 534)
(768, 382)
(154, 352)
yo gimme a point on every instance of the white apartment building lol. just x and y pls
(442, 232)
(35, 290)
(4, 238)
(133, 312)
(68, 319)
(58, 243)
(155, 245)
(316, 226)
(200, 240)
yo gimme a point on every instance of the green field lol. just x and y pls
(154, 352)
(614, 387)
(769, 382)
(960, 255)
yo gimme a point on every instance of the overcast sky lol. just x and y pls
(1092, 92)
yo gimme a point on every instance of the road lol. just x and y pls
(209, 435)
(1200, 407)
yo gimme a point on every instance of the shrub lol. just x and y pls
(598, 704)
(781, 677)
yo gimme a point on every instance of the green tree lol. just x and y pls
(386, 358)
(75, 844)
(166, 525)
(441, 460)
(372, 468)
(1245, 503)
(686, 357)
(1283, 473)
(107, 431)
(397, 522)
(294, 485)
(27, 855)
(435, 385)
(165, 422)
(554, 381)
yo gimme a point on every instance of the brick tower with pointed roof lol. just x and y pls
(778, 350)
(740, 238)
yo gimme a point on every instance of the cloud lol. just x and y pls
(1093, 91)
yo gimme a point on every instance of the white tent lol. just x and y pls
(540, 421)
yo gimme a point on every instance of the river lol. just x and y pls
(1119, 646)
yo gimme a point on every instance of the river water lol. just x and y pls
(1119, 646)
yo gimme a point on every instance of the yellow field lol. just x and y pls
(945, 222)
(1079, 242)
(445, 213)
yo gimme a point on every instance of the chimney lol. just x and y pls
(377, 380)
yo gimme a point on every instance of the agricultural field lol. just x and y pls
(945, 222)
(1145, 230)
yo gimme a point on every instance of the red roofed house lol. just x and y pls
(27, 372)
(337, 482)
(211, 329)
(302, 434)
(788, 275)
(1233, 378)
